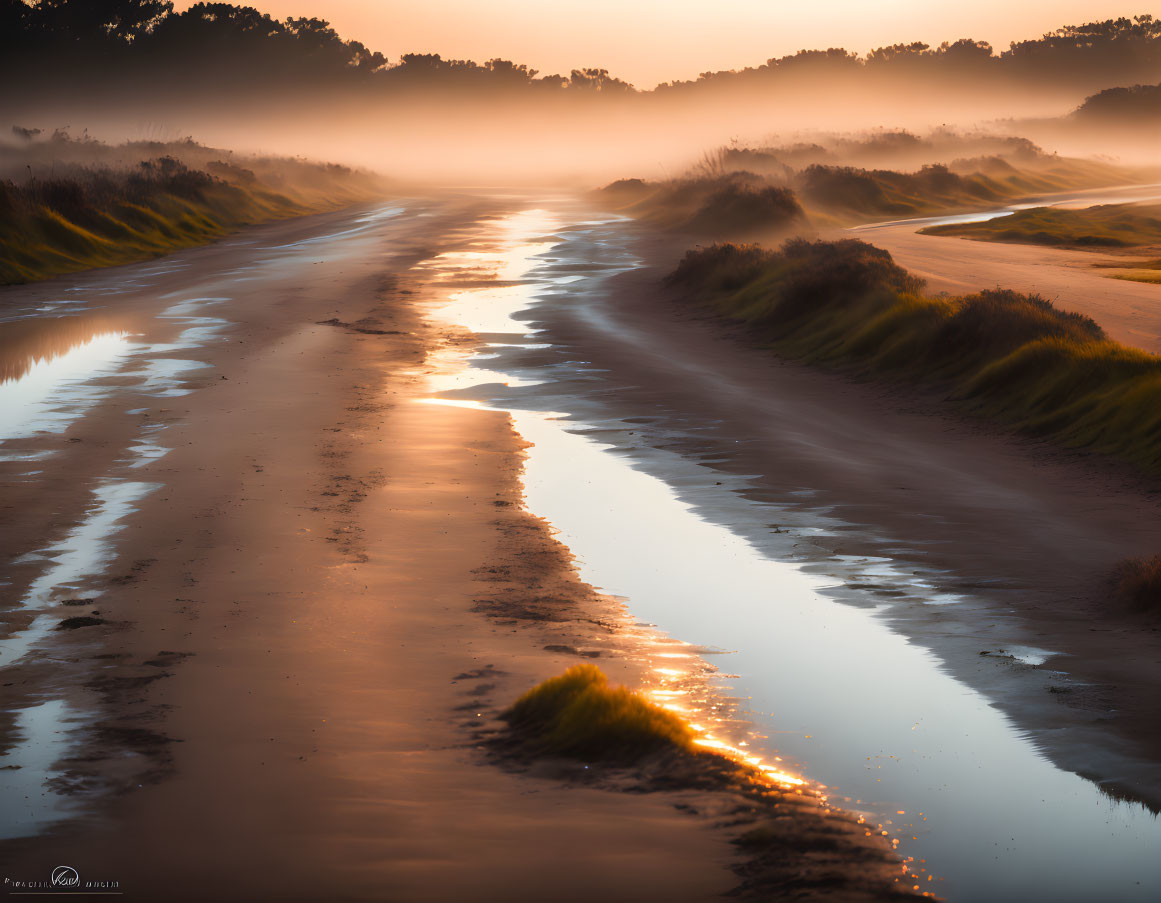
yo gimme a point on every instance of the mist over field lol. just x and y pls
(436, 480)
(234, 77)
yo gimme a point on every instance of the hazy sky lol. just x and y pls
(648, 41)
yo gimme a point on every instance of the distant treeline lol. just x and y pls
(1139, 102)
(1114, 51)
(214, 43)
(52, 42)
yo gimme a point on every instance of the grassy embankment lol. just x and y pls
(735, 205)
(1012, 358)
(737, 192)
(93, 215)
(845, 195)
(1105, 227)
(792, 840)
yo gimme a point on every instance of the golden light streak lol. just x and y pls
(708, 707)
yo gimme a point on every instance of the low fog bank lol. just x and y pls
(32, 153)
(234, 77)
(456, 142)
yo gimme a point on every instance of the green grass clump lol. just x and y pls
(1105, 226)
(1137, 583)
(1149, 278)
(579, 715)
(1007, 356)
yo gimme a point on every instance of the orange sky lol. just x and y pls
(647, 41)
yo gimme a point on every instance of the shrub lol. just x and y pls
(718, 204)
(578, 715)
(848, 188)
(995, 322)
(1137, 583)
(720, 267)
(740, 208)
(889, 192)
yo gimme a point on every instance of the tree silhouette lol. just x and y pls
(135, 45)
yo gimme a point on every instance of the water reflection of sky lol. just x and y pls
(42, 737)
(54, 389)
(834, 688)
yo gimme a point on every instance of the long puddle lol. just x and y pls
(833, 691)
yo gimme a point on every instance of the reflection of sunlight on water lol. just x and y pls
(507, 254)
(687, 694)
(456, 403)
(894, 729)
(511, 254)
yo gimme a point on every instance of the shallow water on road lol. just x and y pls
(832, 688)
(127, 339)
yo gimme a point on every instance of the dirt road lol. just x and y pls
(294, 596)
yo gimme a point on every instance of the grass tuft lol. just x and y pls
(1137, 583)
(579, 715)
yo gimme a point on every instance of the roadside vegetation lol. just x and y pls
(579, 715)
(1009, 357)
(901, 174)
(849, 194)
(792, 841)
(721, 205)
(1137, 584)
(1148, 271)
(737, 193)
(69, 205)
